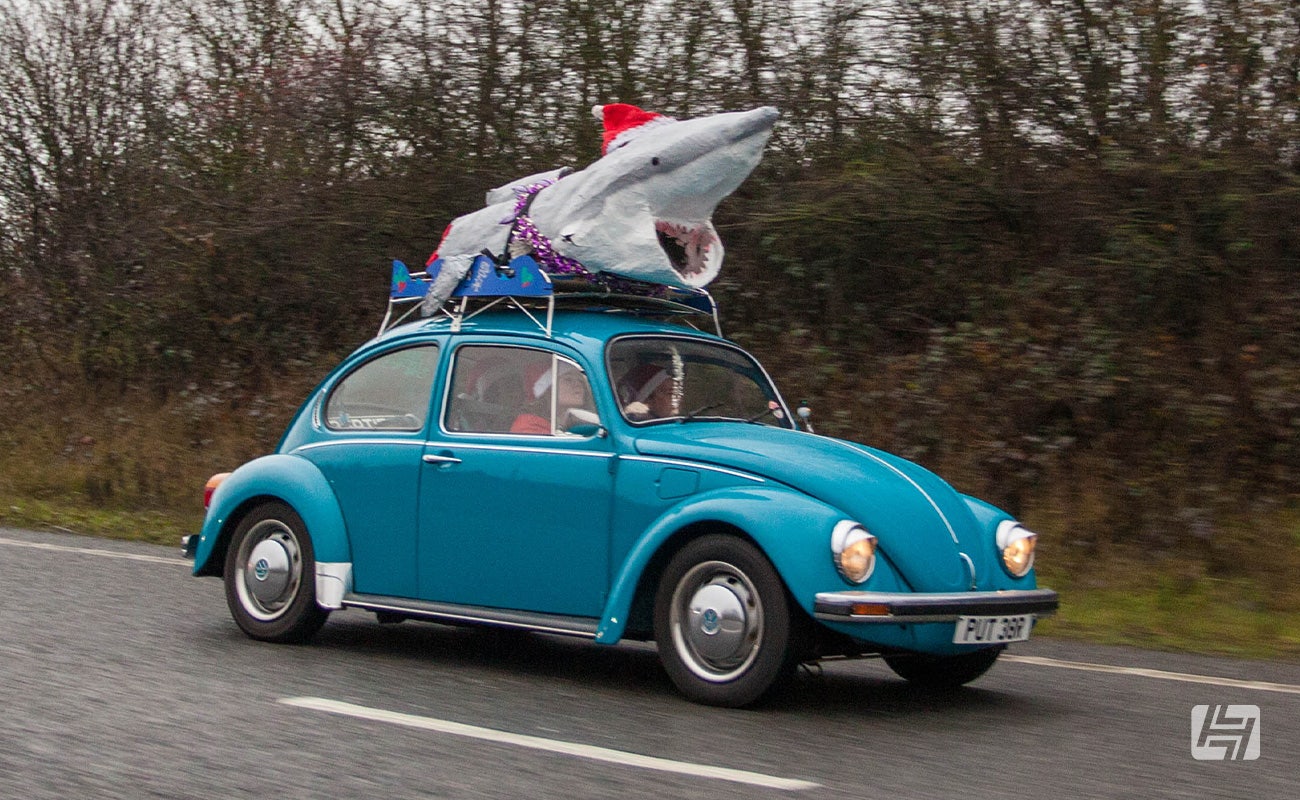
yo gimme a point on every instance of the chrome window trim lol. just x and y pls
(454, 437)
(451, 375)
(318, 419)
(703, 339)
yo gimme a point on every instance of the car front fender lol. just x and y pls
(289, 479)
(792, 529)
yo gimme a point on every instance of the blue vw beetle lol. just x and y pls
(588, 467)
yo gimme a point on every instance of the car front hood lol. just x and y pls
(923, 525)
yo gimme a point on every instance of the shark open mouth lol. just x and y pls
(688, 247)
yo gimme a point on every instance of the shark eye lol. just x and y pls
(654, 162)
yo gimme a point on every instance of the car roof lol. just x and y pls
(579, 328)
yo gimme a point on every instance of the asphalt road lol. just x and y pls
(122, 676)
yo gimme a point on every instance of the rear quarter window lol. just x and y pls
(389, 392)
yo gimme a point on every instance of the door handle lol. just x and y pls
(430, 458)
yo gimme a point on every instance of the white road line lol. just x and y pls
(1185, 677)
(88, 551)
(549, 745)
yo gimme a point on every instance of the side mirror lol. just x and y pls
(805, 415)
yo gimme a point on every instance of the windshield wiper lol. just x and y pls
(772, 408)
(695, 414)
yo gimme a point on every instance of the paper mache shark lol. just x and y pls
(642, 211)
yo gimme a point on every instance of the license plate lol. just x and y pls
(993, 630)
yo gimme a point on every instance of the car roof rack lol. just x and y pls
(524, 286)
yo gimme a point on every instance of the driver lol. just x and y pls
(646, 392)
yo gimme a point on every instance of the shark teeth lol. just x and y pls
(687, 245)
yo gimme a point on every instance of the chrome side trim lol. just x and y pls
(673, 462)
(333, 582)
(904, 607)
(521, 448)
(366, 441)
(449, 612)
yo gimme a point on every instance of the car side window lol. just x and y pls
(390, 392)
(520, 390)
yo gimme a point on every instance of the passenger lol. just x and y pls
(573, 403)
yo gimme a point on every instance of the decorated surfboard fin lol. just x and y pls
(643, 211)
(486, 278)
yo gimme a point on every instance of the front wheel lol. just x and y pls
(722, 622)
(943, 672)
(271, 576)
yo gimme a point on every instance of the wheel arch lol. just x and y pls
(215, 564)
(640, 615)
(288, 479)
(791, 530)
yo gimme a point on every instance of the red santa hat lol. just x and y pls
(622, 122)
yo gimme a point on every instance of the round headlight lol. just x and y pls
(853, 550)
(1017, 547)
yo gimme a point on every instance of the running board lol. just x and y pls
(479, 615)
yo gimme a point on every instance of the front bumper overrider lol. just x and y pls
(908, 607)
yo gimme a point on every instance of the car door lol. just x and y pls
(373, 420)
(515, 494)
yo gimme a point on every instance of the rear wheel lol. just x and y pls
(943, 672)
(722, 622)
(271, 576)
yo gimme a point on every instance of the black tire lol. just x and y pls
(273, 596)
(713, 581)
(942, 672)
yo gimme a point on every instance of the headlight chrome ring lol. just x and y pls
(853, 550)
(1016, 546)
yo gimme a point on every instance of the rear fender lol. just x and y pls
(289, 479)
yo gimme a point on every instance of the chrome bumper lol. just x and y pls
(189, 544)
(904, 607)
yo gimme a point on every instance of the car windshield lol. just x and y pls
(662, 378)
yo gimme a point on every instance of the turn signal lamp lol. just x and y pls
(869, 610)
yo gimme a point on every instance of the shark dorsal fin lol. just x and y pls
(507, 192)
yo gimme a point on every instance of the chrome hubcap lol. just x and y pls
(270, 565)
(717, 621)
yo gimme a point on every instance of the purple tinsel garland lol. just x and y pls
(556, 264)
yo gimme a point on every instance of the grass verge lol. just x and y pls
(156, 527)
(1209, 616)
